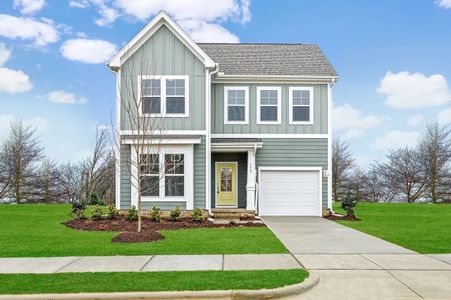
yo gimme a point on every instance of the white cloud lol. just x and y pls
(203, 32)
(444, 3)
(40, 123)
(415, 120)
(5, 54)
(396, 139)
(40, 32)
(351, 121)
(444, 116)
(29, 7)
(14, 81)
(88, 51)
(63, 97)
(79, 4)
(406, 90)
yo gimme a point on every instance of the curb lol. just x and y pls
(294, 289)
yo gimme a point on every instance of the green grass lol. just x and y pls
(425, 228)
(36, 230)
(152, 281)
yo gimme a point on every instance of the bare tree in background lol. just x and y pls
(70, 182)
(47, 182)
(342, 164)
(356, 183)
(6, 169)
(406, 171)
(141, 112)
(95, 169)
(377, 186)
(23, 149)
(435, 148)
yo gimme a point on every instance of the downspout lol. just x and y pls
(329, 144)
(209, 74)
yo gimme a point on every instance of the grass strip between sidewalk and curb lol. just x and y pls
(148, 281)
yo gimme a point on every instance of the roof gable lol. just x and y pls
(161, 19)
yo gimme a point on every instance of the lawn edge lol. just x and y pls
(288, 290)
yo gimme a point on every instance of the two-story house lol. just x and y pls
(250, 124)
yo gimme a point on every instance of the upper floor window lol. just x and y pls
(164, 95)
(301, 105)
(236, 105)
(268, 105)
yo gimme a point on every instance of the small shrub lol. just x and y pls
(112, 212)
(95, 200)
(78, 209)
(198, 215)
(155, 214)
(132, 214)
(175, 214)
(348, 203)
(97, 213)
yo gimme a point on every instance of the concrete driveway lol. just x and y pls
(320, 236)
(355, 265)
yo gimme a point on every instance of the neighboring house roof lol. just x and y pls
(270, 59)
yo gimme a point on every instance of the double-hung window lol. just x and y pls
(301, 105)
(236, 105)
(164, 96)
(174, 175)
(268, 105)
(150, 174)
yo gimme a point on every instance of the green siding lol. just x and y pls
(241, 158)
(199, 173)
(295, 153)
(125, 177)
(199, 179)
(320, 107)
(164, 54)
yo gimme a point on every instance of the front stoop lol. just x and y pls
(284, 291)
(236, 215)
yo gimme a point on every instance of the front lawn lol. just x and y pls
(148, 281)
(425, 228)
(35, 230)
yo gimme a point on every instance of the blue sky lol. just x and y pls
(393, 57)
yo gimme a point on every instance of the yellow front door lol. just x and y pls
(226, 184)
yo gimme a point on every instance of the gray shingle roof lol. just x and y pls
(269, 59)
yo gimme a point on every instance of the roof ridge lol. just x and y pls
(293, 44)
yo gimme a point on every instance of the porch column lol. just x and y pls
(251, 175)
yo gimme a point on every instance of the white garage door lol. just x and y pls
(289, 193)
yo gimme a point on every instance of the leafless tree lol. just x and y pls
(342, 164)
(406, 172)
(376, 186)
(6, 169)
(96, 169)
(435, 148)
(70, 182)
(356, 183)
(23, 149)
(141, 113)
(47, 182)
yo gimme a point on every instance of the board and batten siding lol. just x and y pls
(295, 153)
(164, 54)
(199, 179)
(320, 107)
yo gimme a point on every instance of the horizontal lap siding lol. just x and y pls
(125, 200)
(199, 175)
(320, 106)
(147, 205)
(165, 54)
(241, 158)
(295, 153)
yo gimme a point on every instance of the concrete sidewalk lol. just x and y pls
(151, 263)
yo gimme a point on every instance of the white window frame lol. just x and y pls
(246, 104)
(187, 151)
(279, 104)
(290, 105)
(163, 79)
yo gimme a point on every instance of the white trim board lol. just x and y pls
(165, 132)
(216, 184)
(283, 168)
(270, 136)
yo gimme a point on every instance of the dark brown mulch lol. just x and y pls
(149, 231)
(340, 217)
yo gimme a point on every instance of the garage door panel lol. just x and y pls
(289, 193)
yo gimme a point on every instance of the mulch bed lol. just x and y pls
(341, 217)
(150, 229)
